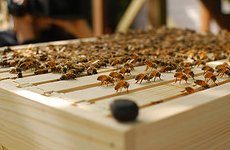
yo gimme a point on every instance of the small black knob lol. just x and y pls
(124, 110)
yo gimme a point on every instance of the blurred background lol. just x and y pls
(29, 20)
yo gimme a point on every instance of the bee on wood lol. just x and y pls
(18, 69)
(56, 69)
(41, 71)
(98, 64)
(166, 69)
(154, 74)
(189, 72)
(64, 69)
(189, 90)
(25, 65)
(150, 65)
(105, 79)
(129, 65)
(12, 63)
(13, 70)
(91, 70)
(140, 77)
(202, 83)
(222, 70)
(124, 71)
(210, 76)
(185, 64)
(207, 68)
(50, 64)
(115, 62)
(19, 75)
(68, 76)
(180, 76)
(75, 71)
(224, 65)
(202, 55)
(116, 75)
(121, 84)
(199, 62)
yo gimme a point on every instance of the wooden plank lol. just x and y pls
(4, 70)
(48, 77)
(79, 83)
(43, 78)
(76, 129)
(194, 120)
(157, 13)
(51, 84)
(98, 18)
(130, 14)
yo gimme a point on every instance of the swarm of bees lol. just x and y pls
(161, 51)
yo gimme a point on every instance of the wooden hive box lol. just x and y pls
(41, 113)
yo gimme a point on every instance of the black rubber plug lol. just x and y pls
(124, 110)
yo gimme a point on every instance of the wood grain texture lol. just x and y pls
(76, 114)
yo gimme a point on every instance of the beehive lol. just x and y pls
(41, 112)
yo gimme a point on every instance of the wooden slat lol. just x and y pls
(53, 132)
(79, 83)
(4, 70)
(198, 121)
(32, 79)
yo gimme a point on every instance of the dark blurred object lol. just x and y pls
(63, 9)
(124, 110)
(7, 38)
(214, 11)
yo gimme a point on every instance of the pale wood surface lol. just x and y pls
(76, 115)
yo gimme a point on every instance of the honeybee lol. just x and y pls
(12, 63)
(64, 69)
(41, 71)
(202, 83)
(124, 71)
(179, 69)
(105, 79)
(189, 90)
(199, 62)
(19, 75)
(129, 65)
(68, 76)
(202, 55)
(180, 76)
(50, 64)
(98, 64)
(115, 62)
(207, 68)
(150, 64)
(116, 75)
(166, 69)
(25, 65)
(91, 70)
(13, 70)
(18, 69)
(140, 77)
(189, 72)
(154, 74)
(121, 84)
(56, 69)
(223, 71)
(188, 64)
(210, 76)
(224, 65)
